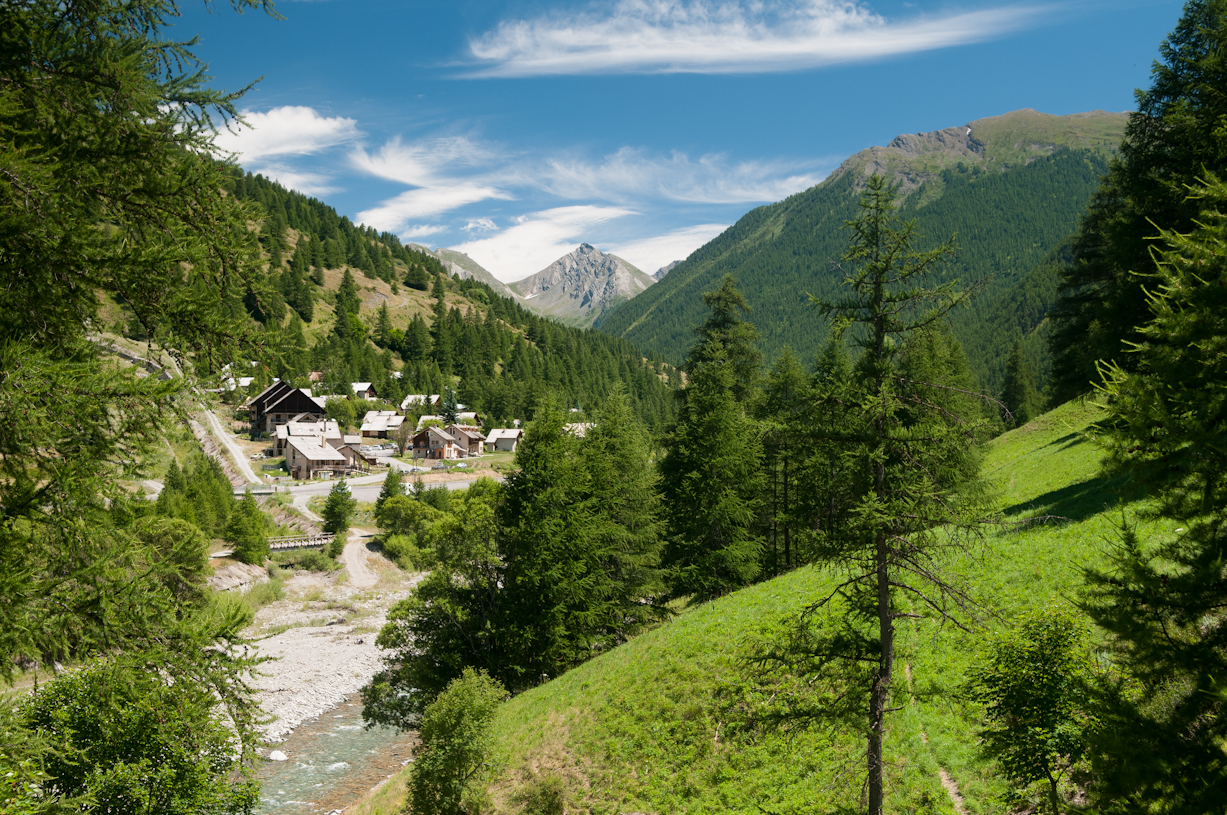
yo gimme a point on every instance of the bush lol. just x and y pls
(408, 555)
(456, 745)
(310, 559)
(544, 795)
(130, 740)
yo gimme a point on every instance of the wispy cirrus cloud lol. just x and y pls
(711, 179)
(537, 239)
(735, 36)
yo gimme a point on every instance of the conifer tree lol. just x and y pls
(245, 530)
(711, 484)
(727, 329)
(393, 485)
(907, 439)
(1018, 393)
(338, 509)
(783, 413)
(1160, 746)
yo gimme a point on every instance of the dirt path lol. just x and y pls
(238, 456)
(948, 784)
(361, 576)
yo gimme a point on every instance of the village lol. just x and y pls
(311, 445)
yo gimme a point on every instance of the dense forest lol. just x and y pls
(503, 359)
(1004, 224)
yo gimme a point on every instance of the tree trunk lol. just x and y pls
(787, 521)
(1054, 794)
(881, 680)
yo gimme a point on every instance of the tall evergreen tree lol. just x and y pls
(711, 480)
(1019, 394)
(725, 328)
(902, 434)
(783, 413)
(1174, 138)
(1161, 741)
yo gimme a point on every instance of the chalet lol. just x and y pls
(433, 442)
(280, 403)
(503, 440)
(469, 439)
(378, 424)
(305, 458)
(302, 426)
(364, 390)
(355, 459)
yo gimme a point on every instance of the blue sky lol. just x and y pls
(514, 131)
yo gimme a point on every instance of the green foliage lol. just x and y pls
(909, 429)
(246, 531)
(1019, 396)
(1033, 681)
(530, 577)
(727, 330)
(456, 745)
(341, 410)
(1175, 137)
(393, 485)
(338, 509)
(131, 740)
(1161, 601)
(711, 480)
(198, 493)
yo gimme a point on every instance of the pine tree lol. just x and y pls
(383, 326)
(905, 437)
(1173, 139)
(1018, 393)
(726, 329)
(393, 484)
(711, 481)
(623, 482)
(1160, 746)
(245, 530)
(338, 509)
(783, 414)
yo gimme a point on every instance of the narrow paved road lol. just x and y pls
(236, 453)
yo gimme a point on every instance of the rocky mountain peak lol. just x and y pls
(581, 285)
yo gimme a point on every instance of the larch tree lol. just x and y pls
(905, 438)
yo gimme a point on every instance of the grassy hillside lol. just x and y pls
(1010, 192)
(667, 723)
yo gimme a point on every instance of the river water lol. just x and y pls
(332, 761)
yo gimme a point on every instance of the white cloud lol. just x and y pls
(537, 240)
(480, 225)
(286, 131)
(424, 162)
(421, 231)
(393, 214)
(307, 183)
(706, 36)
(711, 180)
(649, 254)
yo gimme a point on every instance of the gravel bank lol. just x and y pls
(327, 651)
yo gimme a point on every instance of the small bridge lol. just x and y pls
(300, 542)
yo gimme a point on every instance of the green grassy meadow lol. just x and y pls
(667, 722)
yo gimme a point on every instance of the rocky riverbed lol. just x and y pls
(322, 638)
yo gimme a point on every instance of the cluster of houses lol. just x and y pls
(314, 446)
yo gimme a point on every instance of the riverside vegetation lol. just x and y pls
(813, 592)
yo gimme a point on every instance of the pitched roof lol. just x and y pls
(312, 450)
(504, 433)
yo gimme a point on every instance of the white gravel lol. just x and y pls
(330, 653)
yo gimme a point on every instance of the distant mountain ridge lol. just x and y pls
(582, 285)
(664, 270)
(1011, 188)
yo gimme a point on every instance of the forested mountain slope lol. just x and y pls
(1010, 188)
(357, 305)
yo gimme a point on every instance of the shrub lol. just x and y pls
(408, 555)
(456, 745)
(130, 740)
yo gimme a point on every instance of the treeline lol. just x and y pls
(505, 358)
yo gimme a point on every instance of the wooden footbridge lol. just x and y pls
(319, 541)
